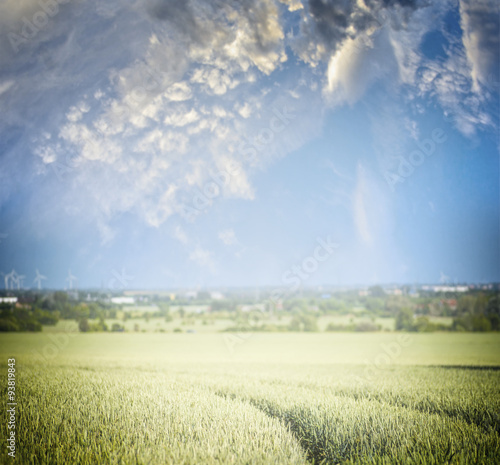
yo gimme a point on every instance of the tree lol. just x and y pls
(303, 323)
(481, 323)
(8, 325)
(493, 312)
(465, 305)
(203, 295)
(117, 327)
(100, 325)
(310, 323)
(404, 320)
(83, 325)
(376, 291)
(46, 318)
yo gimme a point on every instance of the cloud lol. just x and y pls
(182, 117)
(355, 67)
(328, 24)
(141, 117)
(252, 36)
(202, 257)
(293, 5)
(480, 21)
(360, 198)
(371, 209)
(228, 237)
(180, 234)
(5, 86)
(147, 129)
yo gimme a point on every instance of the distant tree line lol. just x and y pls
(16, 318)
(33, 311)
(472, 313)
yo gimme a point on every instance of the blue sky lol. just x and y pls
(158, 144)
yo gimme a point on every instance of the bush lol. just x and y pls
(404, 320)
(31, 325)
(45, 317)
(339, 328)
(305, 323)
(477, 323)
(8, 325)
(83, 325)
(366, 327)
(99, 326)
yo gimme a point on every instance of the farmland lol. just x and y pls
(255, 398)
(203, 323)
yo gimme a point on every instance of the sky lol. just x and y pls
(149, 144)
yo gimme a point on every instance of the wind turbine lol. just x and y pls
(38, 279)
(70, 279)
(13, 278)
(19, 281)
(443, 278)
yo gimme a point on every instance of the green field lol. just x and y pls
(303, 398)
(202, 323)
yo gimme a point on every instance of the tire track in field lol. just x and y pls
(307, 441)
(491, 422)
(322, 445)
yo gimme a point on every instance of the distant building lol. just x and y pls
(394, 291)
(123, 300)
(215, 295)
(8, 300)
(249, 308)
(452, 303)
(446, 288)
